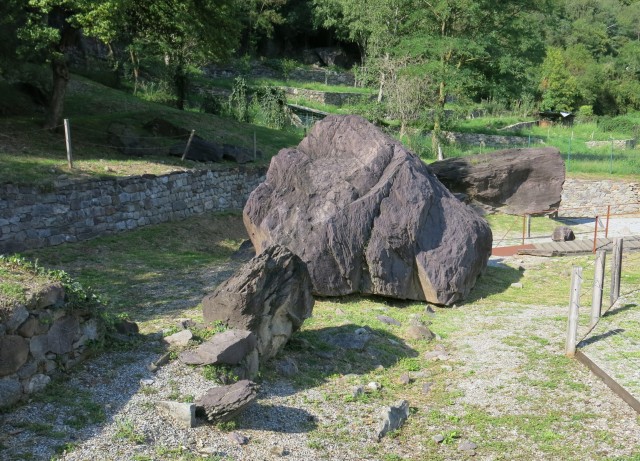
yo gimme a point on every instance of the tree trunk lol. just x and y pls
(437, 121)
(135, 64)
(180, 80)
(56, 106)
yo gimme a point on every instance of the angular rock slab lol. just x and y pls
(515, 181)
(393, 417)
(366, 215)
(223, 403)
(269, 295)
(226, 348)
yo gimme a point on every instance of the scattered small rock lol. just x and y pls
(237, 438)
(229, 348)
(517, 285)
(388, 320)
(357, 391)
(182, 413)
(393, 417)
(420, 332)
(278, 450)
(374, 386)
(429, 311)
(426, 388)
(163, 360)
(467, 446)
(438, 438)
(436, 355)
(147, 382)
(179, 339)
(287, 367)
(223, 403)
(404, 379)
(125, 327)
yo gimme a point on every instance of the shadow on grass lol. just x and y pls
(619, 310)
(495, 280)
(349, 349)
(596, 338)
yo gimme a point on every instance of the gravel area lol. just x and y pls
(503, 362)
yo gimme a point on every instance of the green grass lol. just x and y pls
(31, 155)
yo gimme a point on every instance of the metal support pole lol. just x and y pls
(598, 284)
(595, 235)
(67, 140)
(186, 148)
(606, 229)
(616, 269)
(574, 305)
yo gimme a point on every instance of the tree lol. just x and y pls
(183, 33)
(558, 86)
(470, 46)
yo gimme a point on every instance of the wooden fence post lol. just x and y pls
(67, 140)
(574, 305)
(598, 284)
(616, 269)
(186, 148)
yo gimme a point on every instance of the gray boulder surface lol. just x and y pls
(270, 295)
(366, 215)
(514, 181)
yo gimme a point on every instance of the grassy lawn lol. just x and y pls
(31, 155)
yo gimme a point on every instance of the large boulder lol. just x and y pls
(366, 215)
(270, 296)
(515, 181)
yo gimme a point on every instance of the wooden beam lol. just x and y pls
(609, 381)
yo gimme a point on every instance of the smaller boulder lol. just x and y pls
(563, 234)
(224, 403)
(270, 296)
(227, 348)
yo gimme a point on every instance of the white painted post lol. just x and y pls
(598, 284)
(186, 148)
(67, 140)
(528, 226)
(574, 305)
(616, 270)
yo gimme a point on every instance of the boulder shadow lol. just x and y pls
(342, 350)
(276, 418)
(496, 279)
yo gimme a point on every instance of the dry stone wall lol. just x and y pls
(73, 211)
(40, 338)
(582, 198)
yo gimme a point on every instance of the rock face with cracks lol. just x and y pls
(516, 181)
(366, 215)
(270, 296)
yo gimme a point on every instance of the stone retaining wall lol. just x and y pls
(73, 211)
(588, 198)
(323, 97)
(617, 144)
(39, 339)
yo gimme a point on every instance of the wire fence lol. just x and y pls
(562, 224)
(613, 350)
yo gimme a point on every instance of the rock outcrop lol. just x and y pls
(366, 215)
(514, 181)
(270, 296)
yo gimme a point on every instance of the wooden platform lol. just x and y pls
(578, 247)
